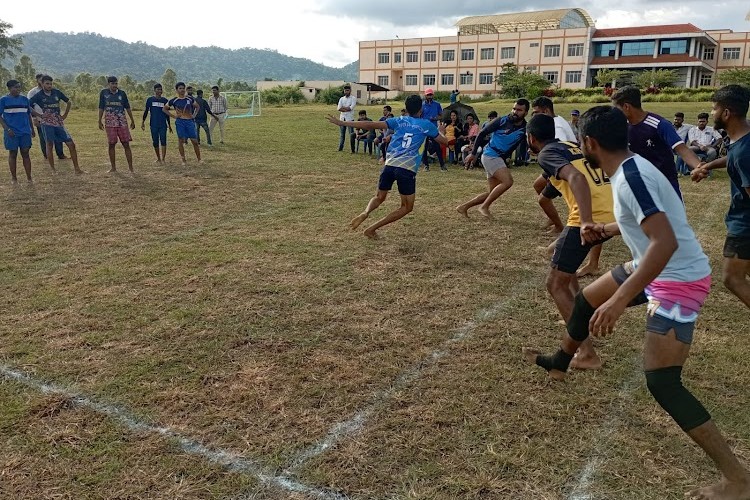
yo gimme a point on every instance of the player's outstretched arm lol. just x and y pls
(366, 125)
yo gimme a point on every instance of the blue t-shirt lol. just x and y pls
(407, 143)
(50, 105)
(506, 136)
(640, 191)
(183, 106)
(155, 105)
(655, 139)
(15, 112)
(432, 111)
(738, 168)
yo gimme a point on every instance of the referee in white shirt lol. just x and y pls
(218, 105)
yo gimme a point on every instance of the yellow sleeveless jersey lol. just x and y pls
(553, 157)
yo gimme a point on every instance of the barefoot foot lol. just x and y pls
(354, 224)
(586, 270)
(532, 354)
(724, 490)
(587, 362)
(370, 233)
(112, 170)
(485, 213)
(463, 211)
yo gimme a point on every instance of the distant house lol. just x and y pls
(311, 88)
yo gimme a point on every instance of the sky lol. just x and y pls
(328, 31)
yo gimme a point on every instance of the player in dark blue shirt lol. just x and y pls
(730, 113)
(159, 122)
(652, 136)
(18, 128)
(185, 108)
(201, 118)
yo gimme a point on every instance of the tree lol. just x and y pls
(9, 45)
(738, 76)
(516, 84)
(84, 81)
(169, 79)
(656, 78)
(25, 72)
(127, 84)
(101, 81)
(611, 76)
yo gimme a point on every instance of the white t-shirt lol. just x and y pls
(563, 130)
(703, 137)
(640, 190)
(349, 102)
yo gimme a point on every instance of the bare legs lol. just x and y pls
(128, 156)
(591, 266)
(196, 148)
(734, 275)
(13, 161)
(499, 183)
(73, 156)
(407, 205)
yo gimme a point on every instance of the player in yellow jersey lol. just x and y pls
(588, 194)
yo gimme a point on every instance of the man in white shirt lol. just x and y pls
(218, 105)
(346, 106)
(703, 139)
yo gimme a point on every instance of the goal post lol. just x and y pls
(242, 104)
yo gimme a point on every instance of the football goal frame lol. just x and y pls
(235, 100)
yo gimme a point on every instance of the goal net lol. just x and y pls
(243, 104)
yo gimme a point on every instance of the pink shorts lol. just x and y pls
(118, 133)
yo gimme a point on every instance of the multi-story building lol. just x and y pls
(562, 45)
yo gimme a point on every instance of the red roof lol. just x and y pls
(662, 29)
(662, 58)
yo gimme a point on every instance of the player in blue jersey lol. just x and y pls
(48, 100)
(505, 134)
(159, 122)
(669, 271)
(185, 109)
(18, 128)
(402, 160)
(652, 136)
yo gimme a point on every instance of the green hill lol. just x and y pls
(70, 54)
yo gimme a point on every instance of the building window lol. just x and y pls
(428, 79)
(430, 56)
(486, 78)
(467, 79)
(575, 49)
(674, 47)
(412, 57)
(447, 79)
(530, 69)
(383, 81)
(637, 48)
(708, 53)
(508, 53)
(487, 54)
(397, 57)
(411, 80)
(730, 53)
(551, 76)
(384, 58)
(467, 54)
(573, 76)
(705, 79)
(534, 44)
(605, 49)
(449, 55)
(551, 51)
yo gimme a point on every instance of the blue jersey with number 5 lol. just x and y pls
(407, 144)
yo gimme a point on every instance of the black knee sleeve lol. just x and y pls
(665, 384)
(559, 361)
(578, 324)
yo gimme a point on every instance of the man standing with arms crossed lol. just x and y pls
(218, 105)
(346, 106)
(113, 103)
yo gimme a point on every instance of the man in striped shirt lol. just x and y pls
(218, 105)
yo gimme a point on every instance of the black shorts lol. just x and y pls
(737, 247)
(621, 273)
(405, 179)
(569, 253)
(550, 191)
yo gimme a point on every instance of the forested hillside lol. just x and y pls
(70, 54)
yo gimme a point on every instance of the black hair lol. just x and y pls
(703, 116)
(735, 98)
(388, 108)
(542, 127)
(179, 84)
(492, 114)
(413, 104)
(112, 79)
(199, 91)
(362, 112)
(544, 103)
(524, 103)
(12, 83)
(679, 114)
(38, 76)
(628, 95)
(607, 125)
(215, 87)
(347, 86)
(46, 78)
(158, 86)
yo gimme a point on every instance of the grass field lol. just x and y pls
(218, 332)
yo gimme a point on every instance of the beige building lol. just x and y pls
(562, 45)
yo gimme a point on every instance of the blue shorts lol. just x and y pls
(55, 134)
(186, 129)
(22, 141)
(159, 136)
(405, 179)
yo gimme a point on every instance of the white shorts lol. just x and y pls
(492, 164)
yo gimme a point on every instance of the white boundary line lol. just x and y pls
(353, 425)
(231, 461)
